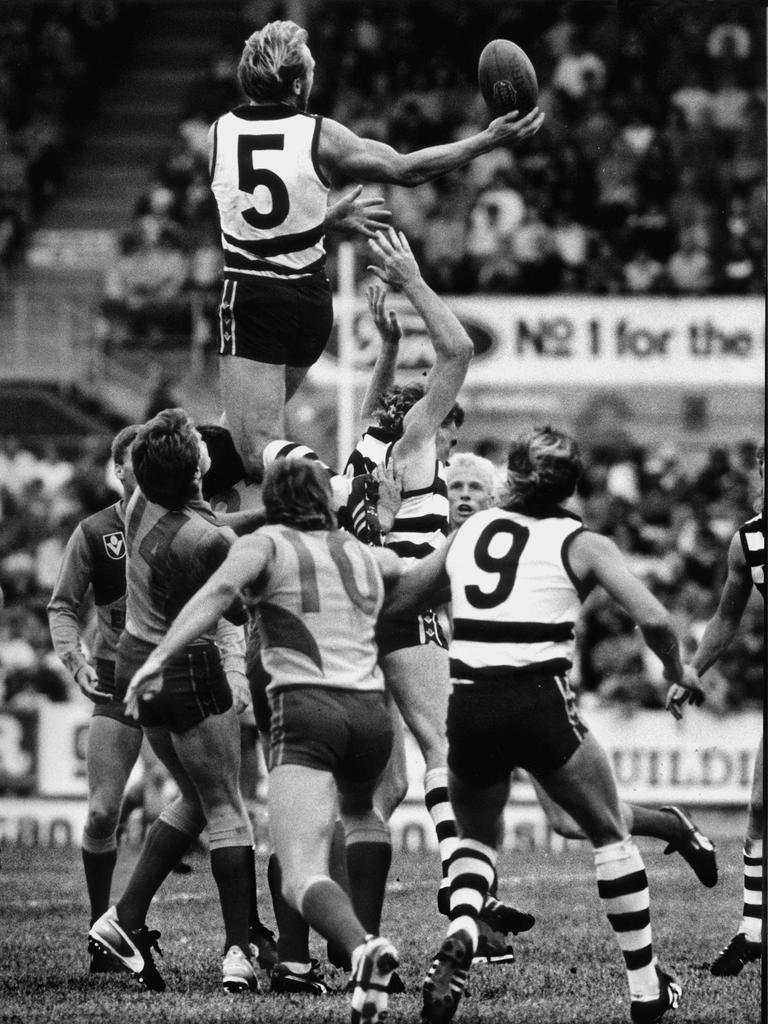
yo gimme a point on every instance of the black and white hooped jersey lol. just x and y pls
(271, 193)
(515, 599)
(752, 535)
(421, 523)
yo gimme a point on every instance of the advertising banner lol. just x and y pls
(521, 341)
(704, 761)
(62, 738)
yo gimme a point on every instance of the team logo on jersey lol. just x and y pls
(115, 545)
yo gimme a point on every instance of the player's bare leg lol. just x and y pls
(307, 797)
(393, 784)
(121, 930)
(113, 749)
(210, 754)
(253, 396)
(472, 869)
(670, 824)
(418, 679)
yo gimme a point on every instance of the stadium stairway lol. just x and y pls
(138, 115)
(47, 303)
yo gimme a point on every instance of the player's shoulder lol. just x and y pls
(109, 518)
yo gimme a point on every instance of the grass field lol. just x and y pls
(568, 967)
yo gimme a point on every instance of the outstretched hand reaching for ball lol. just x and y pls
(387, 323)
(400, 267)
(513, 128)
(355, 214)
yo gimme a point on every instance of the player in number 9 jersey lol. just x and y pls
(517, 576)
(318, 592)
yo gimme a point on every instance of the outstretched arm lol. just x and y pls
(384, 368)
(453, 346)
(341, 152)
(599, 560)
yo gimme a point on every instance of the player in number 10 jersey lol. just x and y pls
(317, 591)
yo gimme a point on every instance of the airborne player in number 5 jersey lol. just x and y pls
(517, 576)
(272, 165)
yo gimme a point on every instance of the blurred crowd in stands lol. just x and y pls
(673, 522)
(648, 177)
(53, 60)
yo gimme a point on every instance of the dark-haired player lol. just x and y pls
(746, 568)
(272, 165)
(318, 591)
(174, 542)
(517, 576)
(471, 488)
(94, 560)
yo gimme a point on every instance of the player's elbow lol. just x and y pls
(466, 350)
(224, 594)
(458, 350)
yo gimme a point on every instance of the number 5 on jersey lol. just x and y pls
(249, 178)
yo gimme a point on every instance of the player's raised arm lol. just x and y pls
(390, 332)
(453, 346)
(343, 153)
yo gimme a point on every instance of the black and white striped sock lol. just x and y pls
(623, 888)
(751, 921)
(472, 869)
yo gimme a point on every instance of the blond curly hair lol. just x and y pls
(271, 61)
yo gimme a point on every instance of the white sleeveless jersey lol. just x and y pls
(318, 610)
(421, 522)
(271, 193)
(752, 535)
(514, 597)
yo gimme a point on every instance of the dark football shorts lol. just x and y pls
(495, 726)
(194, 684)
(395, 632)
(273, 321)
(110, 707)
(345, 732)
